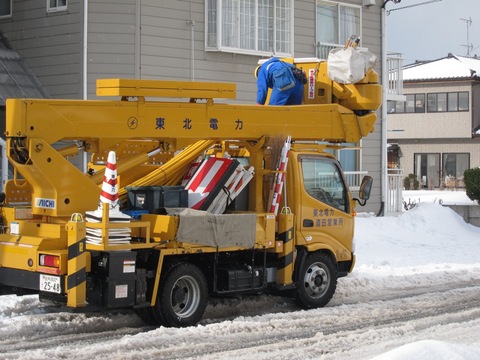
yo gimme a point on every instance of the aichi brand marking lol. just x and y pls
(45, 203)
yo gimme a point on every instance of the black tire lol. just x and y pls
(147, 315)
(182, 296)
(316, 281)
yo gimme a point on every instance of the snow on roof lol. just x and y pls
(449, 67)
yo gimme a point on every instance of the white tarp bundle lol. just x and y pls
(349, 65)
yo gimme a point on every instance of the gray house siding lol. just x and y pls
(50, 44)
(304, 29)
(111, 41)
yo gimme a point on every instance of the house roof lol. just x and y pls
(16, 78)
(450, 67)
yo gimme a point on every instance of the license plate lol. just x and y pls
(50, 283)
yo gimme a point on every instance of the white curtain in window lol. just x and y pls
(247, 24)
(282, 28)
(265, 25)
(327, 24)
(250, 25)
(230, 23)
(348, 24)
(348, 158)
(212, 23)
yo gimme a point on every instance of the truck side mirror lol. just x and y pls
(365, 188)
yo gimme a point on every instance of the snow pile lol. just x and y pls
(431, 350)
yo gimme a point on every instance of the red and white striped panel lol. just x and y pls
(208, 180)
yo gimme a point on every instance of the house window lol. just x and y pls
(419, 103)
(56, 5)
(458, 101)
(258, 27)
(455, 164)
(391, 106)
(427, 169)
(415, 103)
(463, 101)
(410, 104)
(335, 23)
(452, 101)
(5, 8)
(400, 107)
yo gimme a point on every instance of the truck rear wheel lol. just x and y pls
(182, 296)
(147, 315)
(316, 282)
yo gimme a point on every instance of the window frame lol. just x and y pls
(56, 8)
(432, 98)
(444, 160)
(9, 15)
(323, 47)
(415, 98)
(214, 21)
(338, 179)
(438, 167)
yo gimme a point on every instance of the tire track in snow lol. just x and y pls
(430, 308)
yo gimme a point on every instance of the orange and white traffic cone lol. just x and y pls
(109, 195)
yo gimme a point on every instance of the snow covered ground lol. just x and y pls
(414, 294)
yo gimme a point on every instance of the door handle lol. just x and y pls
(307, 223)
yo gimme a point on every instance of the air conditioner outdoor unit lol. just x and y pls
(369, 3)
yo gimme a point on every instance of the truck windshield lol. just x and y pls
(323, 180)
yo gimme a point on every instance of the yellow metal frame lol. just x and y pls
(163, 88)
(106, 224)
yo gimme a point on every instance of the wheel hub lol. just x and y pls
(179, 295)
(185, 297)
(316, 281)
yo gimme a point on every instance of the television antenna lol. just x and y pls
(469, 46)
(410, 6)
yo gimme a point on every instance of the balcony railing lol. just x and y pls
(324, 48)
(354, 179)
(395, 76)
(394, 203)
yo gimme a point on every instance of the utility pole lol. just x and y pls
(468, 46)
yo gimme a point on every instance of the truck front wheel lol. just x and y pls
(182, 296)
(316, 282)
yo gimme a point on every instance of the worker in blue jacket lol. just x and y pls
(278, 76)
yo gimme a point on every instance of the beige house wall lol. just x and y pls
(432, 125)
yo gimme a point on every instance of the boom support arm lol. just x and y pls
(103, 123)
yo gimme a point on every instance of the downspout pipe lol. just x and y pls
(85, 69)
(383, 165)
(85, 50)
(3, 145)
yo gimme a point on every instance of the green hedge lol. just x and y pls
(471, 178)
